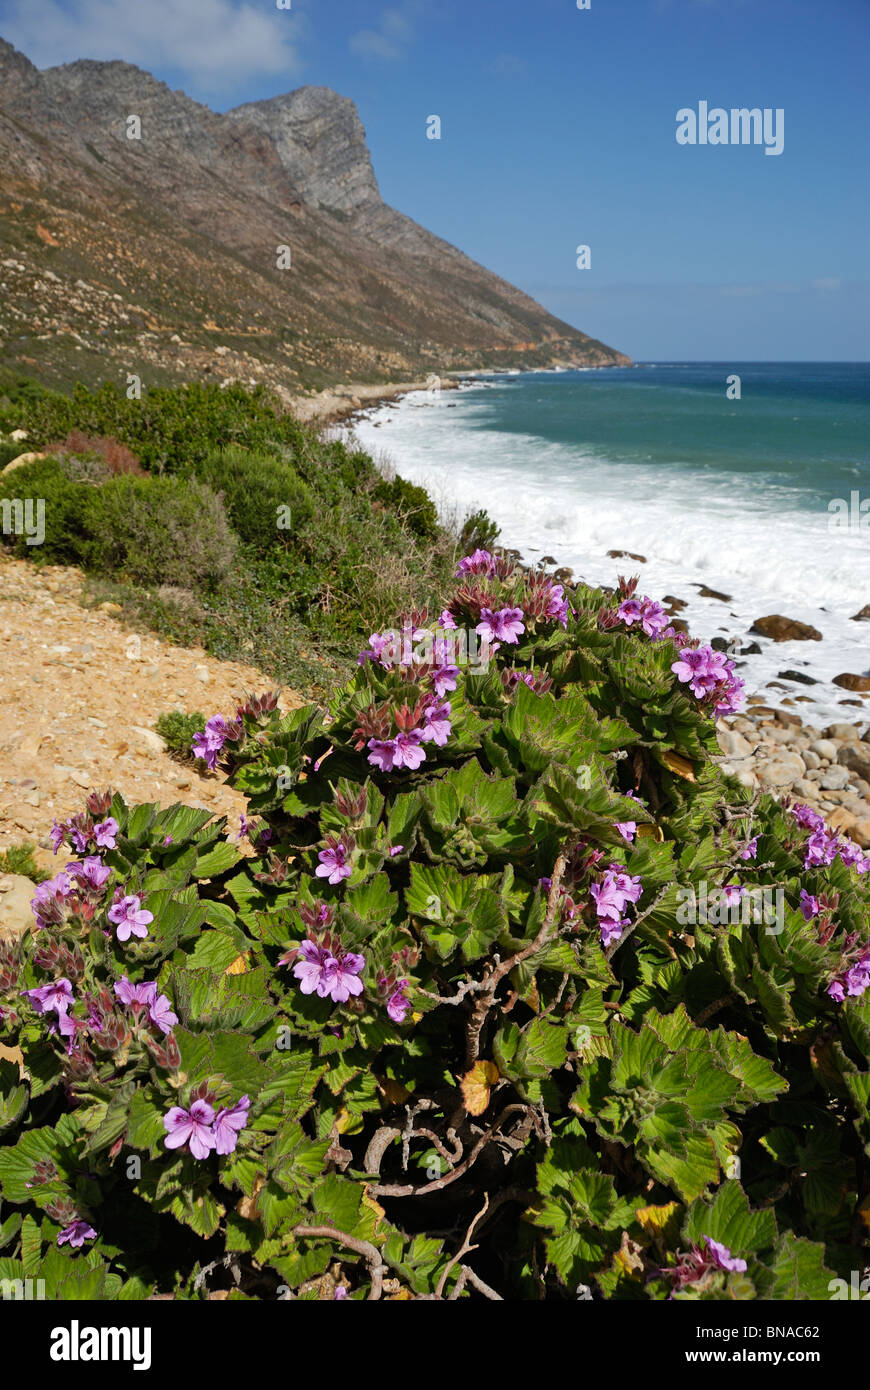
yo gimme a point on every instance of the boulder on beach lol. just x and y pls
(626, 555)
(798, 676)
(863, 615)
(674, 605)
(780, 629)
(848, 681)
(704, 592)
(856, 758)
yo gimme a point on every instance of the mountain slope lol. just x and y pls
(158, 256)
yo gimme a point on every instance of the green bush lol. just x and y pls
(412, 503)
(9, 450)
(67, 518)
(177, 730)
(171, 429)
(483, 1015)
(18, 859)
(266, 501)
(161, 531)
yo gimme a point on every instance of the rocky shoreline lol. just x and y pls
(827, 768)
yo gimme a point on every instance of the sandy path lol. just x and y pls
(79, 695)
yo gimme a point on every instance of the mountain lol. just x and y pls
(158, 255)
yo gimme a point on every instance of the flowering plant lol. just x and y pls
(448, 966)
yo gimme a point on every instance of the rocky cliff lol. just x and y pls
(151, 246)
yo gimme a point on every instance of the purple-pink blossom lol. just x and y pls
(208, 742)
(436, 725)
(328, 973)
(333, 863)
(503, 626)
(646, 611)
(56, 997)
(227, 1124)
(104, 834)
(76, 1234)
(750, 849)
(91, 874)
(611, 894)
(192, 1127)
(480, 562)
(129, 917)
(398, 1003)
(809, 905)
(402, 751)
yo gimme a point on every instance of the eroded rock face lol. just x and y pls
(321, 144)
(780, 629)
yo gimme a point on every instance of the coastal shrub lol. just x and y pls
(169, 429)
(161, 531)
(310, 580)
(265, 499)
(67, 513)
(9, 450)
(413, 504)
(479, 531)
(115, 457)
(177, 730)
(18, 859)
(506, 993)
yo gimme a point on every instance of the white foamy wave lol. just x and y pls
(749, 540)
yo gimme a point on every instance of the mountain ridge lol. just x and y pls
(158, 256)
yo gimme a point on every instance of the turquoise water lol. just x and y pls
(801, 427)
(655, 459)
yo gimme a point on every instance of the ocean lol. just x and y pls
(733, 494)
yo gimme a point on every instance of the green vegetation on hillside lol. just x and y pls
(222, 522)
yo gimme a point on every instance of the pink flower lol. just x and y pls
(76, 1233)
(311, 970)
(227, 1125)
(437, 725)
(480, 562)
(333, 863)
(193, 1127)
(343, 975)
(55, 997)
(91, 874)
(142, 995)
(161, 1015)
(750, 850)
(503, 626)
(105, 832)
(398, 1003)
(129, 916)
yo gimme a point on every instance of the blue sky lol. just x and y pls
(558, 128)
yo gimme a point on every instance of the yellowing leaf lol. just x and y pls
(655, 1220)
(247, 1206)
(678, 764)
(344, 1120)
(651, 832)
(371, 1205)
(239, 965)
(864, 1212)
(476, 1084)
(392, 1091)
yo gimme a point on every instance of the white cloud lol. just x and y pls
(507, 65)
(394, 32)
(215, 44)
